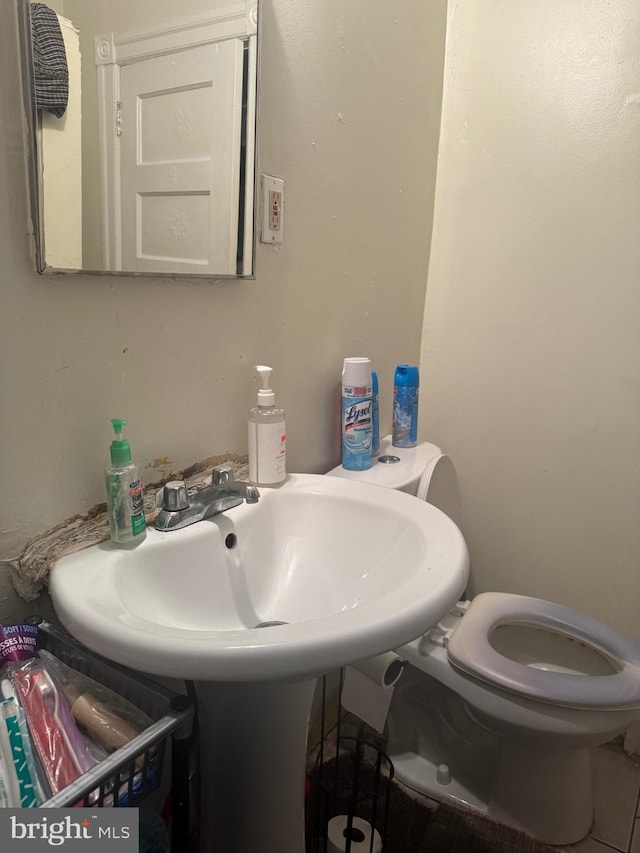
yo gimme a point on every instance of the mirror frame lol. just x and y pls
(34, 169)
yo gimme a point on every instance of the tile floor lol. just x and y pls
(616, 825)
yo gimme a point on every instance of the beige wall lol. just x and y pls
(350, 99)
(531, 348)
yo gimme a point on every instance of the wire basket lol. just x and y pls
(128, 775)
(351, 780)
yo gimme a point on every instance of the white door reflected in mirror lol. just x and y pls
(168, 114)
(181, 117)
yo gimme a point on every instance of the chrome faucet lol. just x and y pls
(223, 494)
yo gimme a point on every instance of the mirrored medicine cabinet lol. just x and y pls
(147, 167)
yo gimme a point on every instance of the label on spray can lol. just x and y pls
(357, 426)
(405, 406)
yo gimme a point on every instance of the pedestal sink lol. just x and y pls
(255, 603)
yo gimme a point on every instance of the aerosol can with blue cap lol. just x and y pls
(406, 388)
(375, 415)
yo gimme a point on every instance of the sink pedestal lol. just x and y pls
(253, 740)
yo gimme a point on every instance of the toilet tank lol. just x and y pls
(423, 471)
(396, 467)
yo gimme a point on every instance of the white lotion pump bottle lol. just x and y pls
(267, 436)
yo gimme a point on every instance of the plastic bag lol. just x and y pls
(60, 747)
(106, 717)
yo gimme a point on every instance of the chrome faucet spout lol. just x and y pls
(224, 493)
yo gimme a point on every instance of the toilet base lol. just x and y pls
(433, 781)
(538, 784)
(436, 747)
(545, 792)
(529, 791)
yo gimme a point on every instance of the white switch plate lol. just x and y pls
(272, 209)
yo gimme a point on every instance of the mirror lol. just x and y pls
(146, 163)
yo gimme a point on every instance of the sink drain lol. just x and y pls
(270, 624)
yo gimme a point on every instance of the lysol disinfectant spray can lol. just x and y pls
(405, 406)
(357, 427)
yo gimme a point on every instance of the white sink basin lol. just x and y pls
(352, 569)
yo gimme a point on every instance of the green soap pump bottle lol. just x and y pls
(125, 505)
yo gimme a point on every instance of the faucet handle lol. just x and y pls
(174, 496)
(252, 495)
(222, 475)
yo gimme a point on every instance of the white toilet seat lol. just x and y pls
(469, 650)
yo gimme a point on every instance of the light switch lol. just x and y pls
(272, 209)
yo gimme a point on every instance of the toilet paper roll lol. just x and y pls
(361, 836)
(368, 688)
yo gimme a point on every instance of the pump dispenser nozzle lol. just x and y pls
(120, 448)
(266, 397)
(118, 423)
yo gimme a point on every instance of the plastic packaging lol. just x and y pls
(267, 436)
(41, 788)
(62, 751)
(125, 506)
(13, 743)
(405, 406)
(57, 723)
(375, 415)
(25, 781)
(107, 718)
(357, 424)
(105, 721)
(9, 783)
(18, 642)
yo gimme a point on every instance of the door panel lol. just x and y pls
(180, 159)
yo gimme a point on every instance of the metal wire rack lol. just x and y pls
(352, 778)
(132, 772)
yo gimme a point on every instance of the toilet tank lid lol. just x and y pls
(403, 475)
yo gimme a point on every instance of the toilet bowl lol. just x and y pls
(501, 703)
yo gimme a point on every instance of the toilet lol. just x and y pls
(500, 705)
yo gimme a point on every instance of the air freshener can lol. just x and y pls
(357, 423)
(406, 388)
(375, 415)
